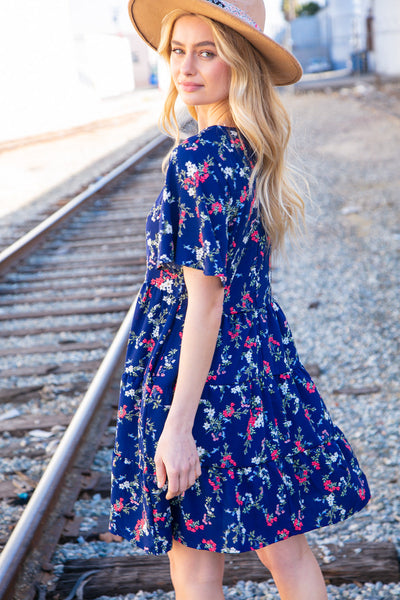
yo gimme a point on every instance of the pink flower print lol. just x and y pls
(307, 414)
(216, 207)
(298, 524)
(267, 367)
(274, 454)
(150, 344)
(228, 412)
(190, 526)
(270, 519)
(255, 236)
(330, 487)
(205, 172)
(146, 296)
(237, 142)
(228, 458)
(310, 387)
(284, 376)
(138, 527)
(284, 534)
(182, 217)
(251, 424)
(248, 343)
(302, 479)
(201, 238)
(158, 281)
(172, 275)
(361, 493)
(238, 501)
(231, 474)
(215, 486)
(210, 377)
(212, 546)
(119, 505)
(272, 341)
(122, 412)
(156, 516)
(237, 330)
(316, 465)
(243, 197)
(246, 297)
(158, 389)
(299, 446)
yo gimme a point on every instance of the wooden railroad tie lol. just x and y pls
(361, 563)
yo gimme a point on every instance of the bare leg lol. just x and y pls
(295, 570)
(196, 574)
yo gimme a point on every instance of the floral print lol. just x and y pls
(273, 463)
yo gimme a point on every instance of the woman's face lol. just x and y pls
(200, 75)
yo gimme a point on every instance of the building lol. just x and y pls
(358, 34)
(386, 33)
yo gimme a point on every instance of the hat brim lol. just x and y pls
(147, 16)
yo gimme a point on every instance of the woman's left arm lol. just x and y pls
(176, 457)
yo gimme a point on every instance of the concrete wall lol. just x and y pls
(309, 39)
(387, 37)
(348, 30)
(341, 18)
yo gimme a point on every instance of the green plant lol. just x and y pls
(308, 9)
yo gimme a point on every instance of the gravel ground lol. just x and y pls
(340, 293)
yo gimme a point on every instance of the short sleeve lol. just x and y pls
(193, 226)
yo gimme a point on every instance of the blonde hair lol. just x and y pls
(260, 118)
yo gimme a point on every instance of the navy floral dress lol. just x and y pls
(273, 463)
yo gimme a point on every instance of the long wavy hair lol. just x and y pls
(260, 118)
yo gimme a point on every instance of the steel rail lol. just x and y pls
(24, 532)
(20, 247)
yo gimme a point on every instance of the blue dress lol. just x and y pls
(273, 463)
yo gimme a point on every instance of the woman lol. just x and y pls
(223, 443)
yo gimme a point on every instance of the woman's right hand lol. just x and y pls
(177, 461)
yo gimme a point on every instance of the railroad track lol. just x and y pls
(66, 288)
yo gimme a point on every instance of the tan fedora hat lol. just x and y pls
(247, 17)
